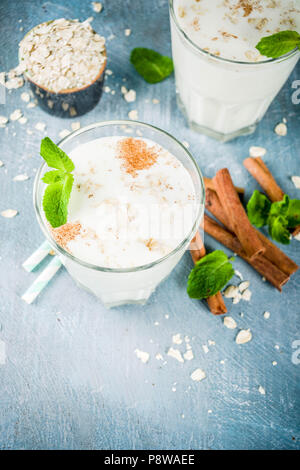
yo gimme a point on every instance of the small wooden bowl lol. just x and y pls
(71, 102)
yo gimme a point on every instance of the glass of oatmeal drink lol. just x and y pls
(136, 203)
(224, 86)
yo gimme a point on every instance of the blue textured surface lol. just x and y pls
(71, 379)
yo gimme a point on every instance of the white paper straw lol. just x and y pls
(40, 283)
(34, 260)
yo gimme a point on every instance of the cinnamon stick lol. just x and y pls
(272, 253)
(235, 212)
(259, 170)
(216, 302)
(208, 183)
(260, 263)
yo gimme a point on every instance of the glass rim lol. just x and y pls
(57, 247)
(222, 59)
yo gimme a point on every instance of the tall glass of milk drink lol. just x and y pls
(224, 86)
(137, 201)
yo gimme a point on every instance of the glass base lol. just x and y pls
(213, 133)
(140, 300)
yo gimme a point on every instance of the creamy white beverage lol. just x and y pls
(224, 84)
(136, 203)
(132, 203)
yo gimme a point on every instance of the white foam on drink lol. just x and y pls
(232, 28)
(128, 220)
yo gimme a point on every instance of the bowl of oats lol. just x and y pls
(64, 62)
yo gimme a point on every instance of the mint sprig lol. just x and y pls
(278, 216)
(151, 65)
(278, 44)
(60, 182)
(209, 275)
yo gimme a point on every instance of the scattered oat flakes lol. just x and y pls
(261, 390)
(64, 133)
(97, 7)
(156, 323)
(123, 89)
(209, 411)
(281, 129)
(211, 342)
(25, 96)
(246, 295)
(230, 292)
(133, 114)
(159, 357)
(274, 363)
(127, 32)
(238, 274)
(142, 355)
(296, 181)
(257, 151)
(276, 346)
(9, 213)
(205, 348)
(3, 121)
(15, 115)
(243, 286)
(21, 178)
(106, 89)
(229, 322)
(177, 339)
(23, 120)
(16, 82)
(1, 163)
(32, 104)
(155, 101)
(243, 336)
(198, 375)
(188, 355)
(40, 126)
(75, 126)
(267, 315)
(108, 72)
(130, 96)
(176, 354)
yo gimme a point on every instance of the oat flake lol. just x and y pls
(198, 375)
(229, 322)
(9, 213)
(243, 336)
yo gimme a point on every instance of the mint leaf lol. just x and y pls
(280, 207)
(278, 229)
(60, 182)
(258, 209)
(54, 156)
(293, 213)
(151, 65)
(56, 199)
(53, 176)
(209, 275)
(279, 44)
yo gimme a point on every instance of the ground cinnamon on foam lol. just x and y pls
(64, 234)
(136, 155)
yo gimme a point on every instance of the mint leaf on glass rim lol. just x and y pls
(54, 156)
(60, 182)
(53, 176)
(209, 275)
(278, 44)
(151, 65)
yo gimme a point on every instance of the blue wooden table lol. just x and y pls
(69, 377)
